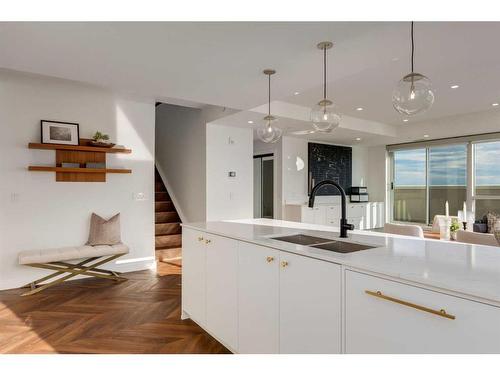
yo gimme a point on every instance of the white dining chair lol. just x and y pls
(404, 230)
(476, 238)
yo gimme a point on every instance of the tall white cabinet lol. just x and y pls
(258, 299)
(310, 308)
(194, 274)
(222, 275)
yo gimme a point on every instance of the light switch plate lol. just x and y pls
(140, 197)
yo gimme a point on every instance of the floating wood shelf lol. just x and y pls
(81, 154)
(39, 168)
(48, 146)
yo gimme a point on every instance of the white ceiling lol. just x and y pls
(221, 63)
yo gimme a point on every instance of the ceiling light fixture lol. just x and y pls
(426, 135)
(359, 109)
(405, 120)
(495, 104)
(454, 86)
(358, 139)
(250, 122)
(323, 115)
(296, 93)
(267, 132)
(413, 93)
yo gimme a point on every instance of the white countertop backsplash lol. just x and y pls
(472, 270)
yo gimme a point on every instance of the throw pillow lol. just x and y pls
(104, 232)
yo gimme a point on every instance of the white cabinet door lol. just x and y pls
(315, 215)
(333, 215)
(222, 289)
(377, 325)
(310, 305)
(355, 210)
(356, 221)
(194, 275)
(258, 296)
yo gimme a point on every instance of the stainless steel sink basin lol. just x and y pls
(303, 239)
(343, 247)
(324, 243)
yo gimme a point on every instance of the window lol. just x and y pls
(486, 177)
(409, 185)
(424, 179)
(447, 179)
(436, 172)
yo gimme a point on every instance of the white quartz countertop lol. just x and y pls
(472, 270)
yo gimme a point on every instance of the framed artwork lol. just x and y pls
(58, 132)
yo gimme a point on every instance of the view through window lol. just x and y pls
(425, 178)
(487, 177)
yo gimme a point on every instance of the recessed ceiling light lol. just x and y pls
(494, 104)
(426, 135)
(359, 109)
(250, 122)
(454, 86)
(296, 93)
(405, 120)
(358, 139)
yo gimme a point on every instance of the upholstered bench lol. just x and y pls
(87, 258)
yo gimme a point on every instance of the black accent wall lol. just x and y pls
(329, 162)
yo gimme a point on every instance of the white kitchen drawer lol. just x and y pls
(332, 214)
(356, 210)
(377, 325)
(315, 215)
(356, 221)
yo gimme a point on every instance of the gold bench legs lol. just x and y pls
(72, 270)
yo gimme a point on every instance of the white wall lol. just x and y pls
(36, 212)
(180, 158)
(229, 149)
(368, 165)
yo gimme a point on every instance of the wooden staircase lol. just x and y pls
(168, 237)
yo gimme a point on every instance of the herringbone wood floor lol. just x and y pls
(141, 315)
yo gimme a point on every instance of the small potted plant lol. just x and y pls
(101, 140)
(454, 227)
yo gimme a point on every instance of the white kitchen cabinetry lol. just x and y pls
(405, 322)
(315, 215)
(310, 305)
(258, 299)
(222, 288)
(367, 215)
(194, 274)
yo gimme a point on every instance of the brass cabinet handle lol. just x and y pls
(441, 312)
(200, 239)
(269, 259)
(284, 264)
(208, 241)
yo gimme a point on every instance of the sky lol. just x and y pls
(447, 165)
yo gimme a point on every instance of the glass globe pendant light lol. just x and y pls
(323, 116)
(267, 132)
(413, 93)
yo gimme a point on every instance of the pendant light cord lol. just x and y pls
(324, 73)
(269, 95)
(412, 46)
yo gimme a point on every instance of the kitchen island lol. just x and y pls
(257, 294)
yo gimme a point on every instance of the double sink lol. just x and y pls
(323, 243)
